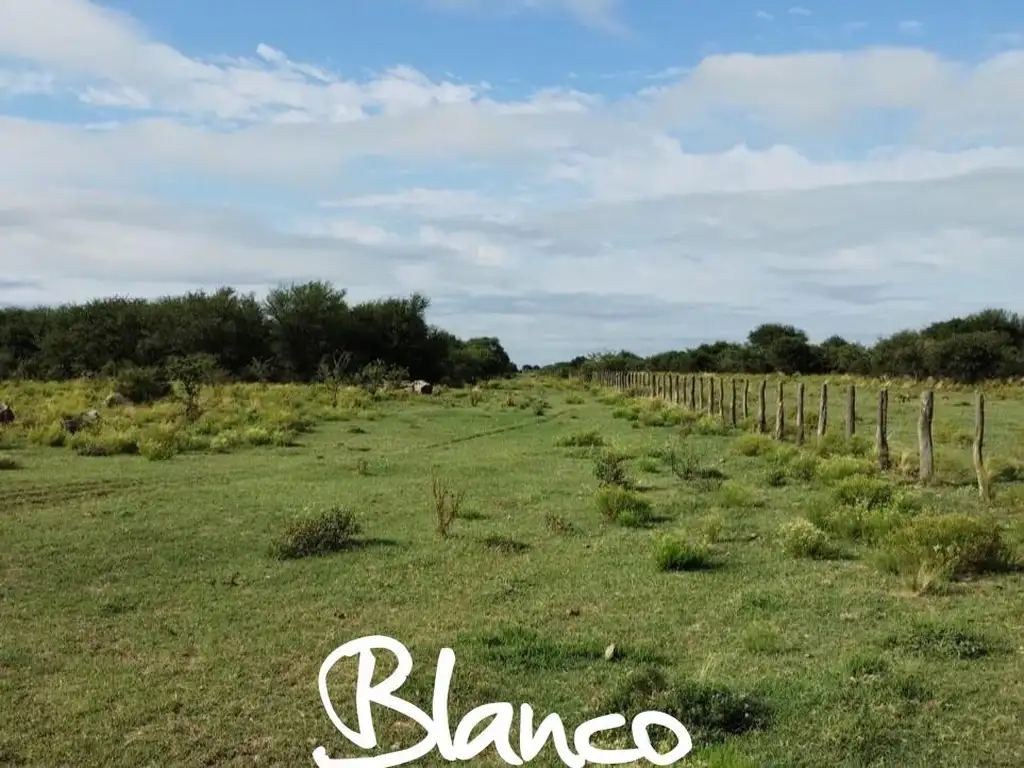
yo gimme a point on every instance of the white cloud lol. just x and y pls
(911, 27)
(566, 221)
(764, 16)
(599, 14)
(796, 10)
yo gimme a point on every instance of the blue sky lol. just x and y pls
(570, 175)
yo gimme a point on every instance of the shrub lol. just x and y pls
(330, 531)
(752, 444)
(803, 467)
(610, 469)
(9, 462)
(622, 506)
(589, 439)
(951, 546)
(157, 450)
(677, 554)
(711, 526)
(801, 538)
(734, 495)
(143, 385)
(836, 468)
(775, 476)
(862, 491)
(110, 445)
(446, 503)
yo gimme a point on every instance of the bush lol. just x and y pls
(618, 505)
(677, 554)
(734, 495)
(144, 385)
(752, 444)
(610, 469)
(157, 450)
(311, 535)
(951, 546)
(836, 468)
(775, 476)
(801, 538)
(589, 439)
(8, 462)
(862, 491)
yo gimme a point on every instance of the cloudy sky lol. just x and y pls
(569, 175)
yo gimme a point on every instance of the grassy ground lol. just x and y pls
(145, 622)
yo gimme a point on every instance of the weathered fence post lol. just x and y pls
(732, 403)
(762, 405)
(882, 430)
(823, 410)
(700, 393)
(711, 396)
(851, 411)
(679, 394)
(979, 445)
(721, 398)
(800, 413)
(924, 436)
(780, 413)
(693, 392)
(746, 398)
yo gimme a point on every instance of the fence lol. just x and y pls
(707, 394)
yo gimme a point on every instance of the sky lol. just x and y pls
(572, 176)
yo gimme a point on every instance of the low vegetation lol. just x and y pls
(791, 605)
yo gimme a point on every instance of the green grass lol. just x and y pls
(161, 608)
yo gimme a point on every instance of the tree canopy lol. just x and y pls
(986, 345)
(285, 337)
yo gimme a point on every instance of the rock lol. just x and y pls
(611, 653)
(90, 416)
(421, 387)
(115, 399)
(6, 414)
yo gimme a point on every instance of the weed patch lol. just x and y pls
(312, 535)
(712, 713)
(673, 553)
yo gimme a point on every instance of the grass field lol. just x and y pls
(146, 621)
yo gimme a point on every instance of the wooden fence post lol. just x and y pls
(882, 431)
(746, 398)
(762, 405)
(924, 436)
(823, 410)
(780, 413)
(711, 395)
(979, 444)
(851, 411)
(700, 393)
(693, 392)
(732, 407)
(800, 413)
(721, 398)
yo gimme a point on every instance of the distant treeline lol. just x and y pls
(289, 336)
(985, 345)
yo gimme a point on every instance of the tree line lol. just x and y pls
(298, 333)
(985, 345)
